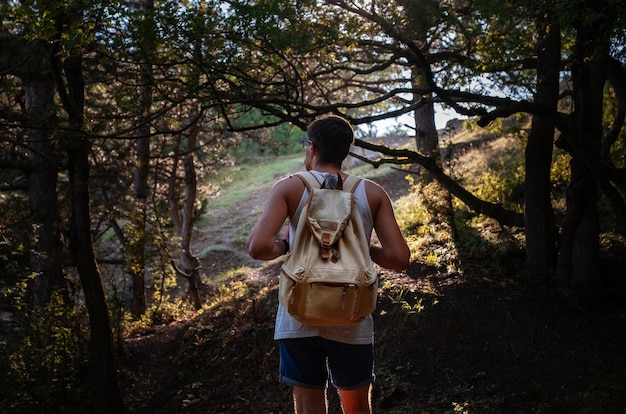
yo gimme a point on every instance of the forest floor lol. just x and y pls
(478, 339)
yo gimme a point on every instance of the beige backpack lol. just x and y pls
(328, 278)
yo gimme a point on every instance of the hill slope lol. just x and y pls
(475, 339)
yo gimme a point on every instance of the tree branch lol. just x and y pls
(405, 156)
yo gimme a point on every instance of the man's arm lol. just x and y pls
(263, 242)
(393, 252)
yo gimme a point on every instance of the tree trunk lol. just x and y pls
(579, 253)
(188, 264)
(540, 227)
(137, 237)
(137, 240)
(190, 261)
(173, 193)
(102, 394)
(426, 136)
(436, 198)
(47, 256)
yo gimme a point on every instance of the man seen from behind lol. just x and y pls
(309, 355)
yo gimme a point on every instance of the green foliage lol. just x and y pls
(160, 250)
(160, 314)
(484, 239)
(42, 365)
(495, 171)
(15, 228)
(14, 258)
(400, 296)
(560, 170)
(170, 310)
(283, 139)
(426, 230)
(503, 186)
(618, 150)
(394, 383)
(411, 214)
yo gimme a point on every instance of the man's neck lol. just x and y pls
(328, 168)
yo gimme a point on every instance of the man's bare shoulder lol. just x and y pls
(290, 189)
(289, 183)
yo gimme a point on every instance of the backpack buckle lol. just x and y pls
(334, 255)
(328, 252)
(325, 245)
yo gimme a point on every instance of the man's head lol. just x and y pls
(332, 137)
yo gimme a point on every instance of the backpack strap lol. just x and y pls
(351, 183)
(309, 179)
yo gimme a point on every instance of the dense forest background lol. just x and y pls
(125, 125)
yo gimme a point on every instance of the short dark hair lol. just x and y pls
(332, 137)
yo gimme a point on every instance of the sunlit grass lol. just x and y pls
(411, 216)
(238, 181)
(368, 171)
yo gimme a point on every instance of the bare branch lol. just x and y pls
(405, 156)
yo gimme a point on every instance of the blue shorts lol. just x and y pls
(307, 362)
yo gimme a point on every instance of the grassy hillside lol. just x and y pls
(458, 332)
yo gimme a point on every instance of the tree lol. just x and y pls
(540, 226)
(57, 67)
(137, 242)
(579, 252)
(102, 388)
(41, 166)
(135, 115)
(488, 45)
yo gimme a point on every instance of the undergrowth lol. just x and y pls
(44, 359)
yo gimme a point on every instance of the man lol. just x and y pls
(307, 353)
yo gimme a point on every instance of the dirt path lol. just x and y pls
(218, 244)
